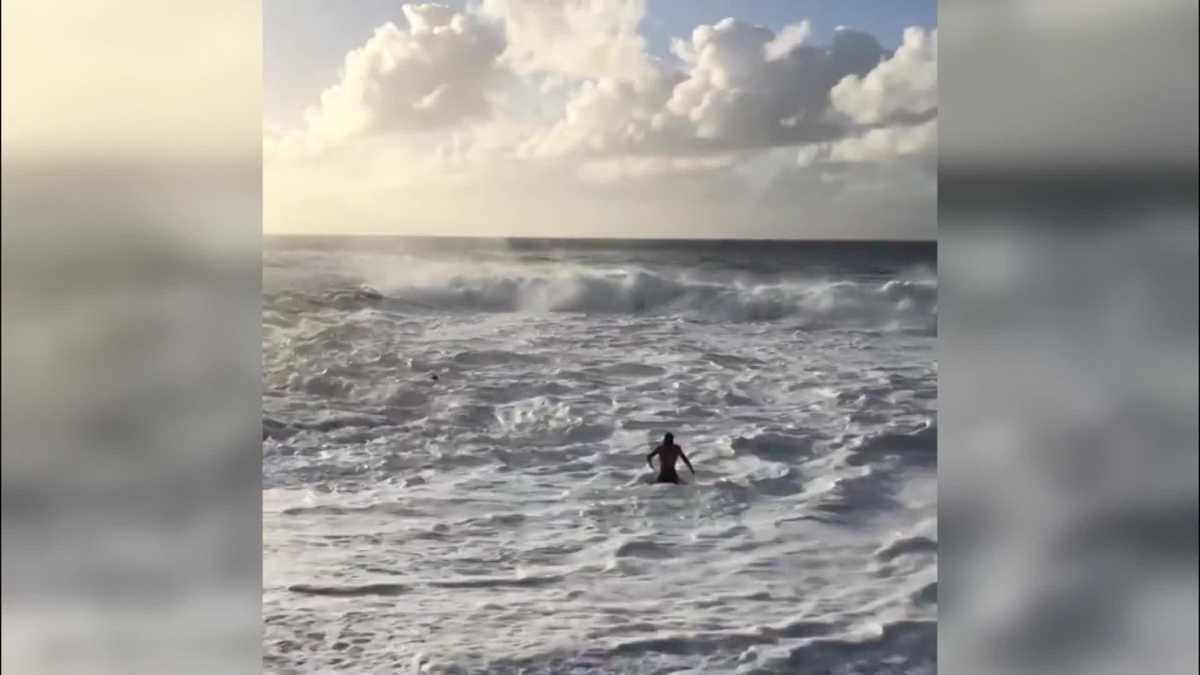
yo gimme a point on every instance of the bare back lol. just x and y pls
(668, 454)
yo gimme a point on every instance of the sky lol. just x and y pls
(623, 118)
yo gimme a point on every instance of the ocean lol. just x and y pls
(455, 435)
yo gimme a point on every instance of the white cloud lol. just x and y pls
(289, 145)
(904, 85)
(434, 74)
(575, 38)
(730, 97)
(735, 97)
(604, 116)
(531, 115)
(917, 141)
(898, 101)
(789, 37)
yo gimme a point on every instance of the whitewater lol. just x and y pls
(454, 456)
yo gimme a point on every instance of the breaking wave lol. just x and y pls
(894, 303)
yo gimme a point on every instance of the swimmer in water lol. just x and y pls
(668, 453)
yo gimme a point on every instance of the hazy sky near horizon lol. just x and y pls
(621, 118)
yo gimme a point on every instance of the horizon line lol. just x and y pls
(598, 238)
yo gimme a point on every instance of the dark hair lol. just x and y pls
(669, 438)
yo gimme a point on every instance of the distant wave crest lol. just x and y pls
(896, 303)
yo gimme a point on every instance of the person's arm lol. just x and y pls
(650, 457)
(686, 461)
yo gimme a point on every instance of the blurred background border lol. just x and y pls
(131, 347)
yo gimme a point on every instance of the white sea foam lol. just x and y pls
(412, 284)
(499, 518)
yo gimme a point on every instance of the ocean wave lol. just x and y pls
(349, 591)
(406, 516)
(639, 548)
(902, 646)
(774, 446)
(532, 581)
(895, 303)
(916, 448)
(906, 546)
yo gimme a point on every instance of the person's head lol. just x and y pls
(669, 438)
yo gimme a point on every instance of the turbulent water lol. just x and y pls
(500, 518)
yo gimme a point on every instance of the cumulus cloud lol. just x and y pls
(737, 91)
(918, 141)
(516, 103)
(789, 37)
(741, 87)
(604, 116)
(735, 96)
(896, 102)
(903, 86)
(435, 73)
(574, 38)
